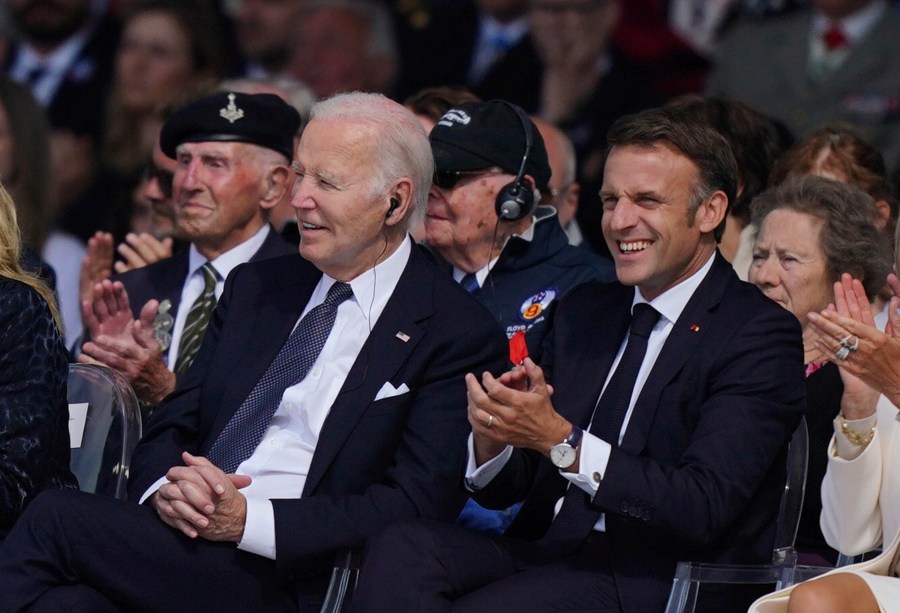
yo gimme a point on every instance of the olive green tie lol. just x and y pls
(197, 320)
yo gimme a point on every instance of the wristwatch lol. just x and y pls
(563, 454)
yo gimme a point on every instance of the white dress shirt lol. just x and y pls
(53, 66)
(280, 463)
(595, 452)
(488, 48)
(194, 283)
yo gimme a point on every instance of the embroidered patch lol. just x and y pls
(537, 304)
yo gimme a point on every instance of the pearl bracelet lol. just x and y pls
(855, 436)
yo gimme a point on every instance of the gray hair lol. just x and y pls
(401, 148)
(849, 239)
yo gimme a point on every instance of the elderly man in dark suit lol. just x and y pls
(326, 401)
(233, 153)
(700, 385)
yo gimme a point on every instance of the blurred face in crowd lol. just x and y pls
(218, 189)
(49, 22)
(265, 29)
(7, 162)
(341, 215)
(461, 218)
(154, 61)
(157, 189)
(503, 10)
(647, 194)
(788, 264)
(838, 9)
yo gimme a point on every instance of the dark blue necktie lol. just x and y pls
(577, 516)
(470, 283)
(243, 432)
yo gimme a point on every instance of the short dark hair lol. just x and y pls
(755, 139)
(433, 102)
(697, 141)
(849, 239)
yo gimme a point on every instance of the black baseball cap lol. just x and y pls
(260, 119)
(477, 135)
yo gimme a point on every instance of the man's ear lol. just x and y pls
(711, 211)
(399, 203)
(883, 214)
(277, 182)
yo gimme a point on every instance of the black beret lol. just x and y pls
(477, 135)
(261, 119)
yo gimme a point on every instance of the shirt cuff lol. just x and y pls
(152, 489)
(846, 449)
(259, 529)
(593, 459)
(478, 477)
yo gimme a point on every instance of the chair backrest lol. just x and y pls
(104, 425)
(792, 498)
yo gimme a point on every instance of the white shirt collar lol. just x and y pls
(227, 261)
(511, 32)
(671, 302)
(373, 288)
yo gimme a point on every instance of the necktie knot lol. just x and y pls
(834, 37)
(338, 293)
(643, 318)
(470, 283)
(210, 276)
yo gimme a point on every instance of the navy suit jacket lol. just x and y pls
(376, 461)
(164, 280)
(701, 468)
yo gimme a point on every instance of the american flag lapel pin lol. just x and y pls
(403, 336)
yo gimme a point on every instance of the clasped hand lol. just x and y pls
(201, 500)
(514, 409)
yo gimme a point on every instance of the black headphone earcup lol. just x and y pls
(514, 202)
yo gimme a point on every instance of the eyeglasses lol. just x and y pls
(447, 179)
(164, 178)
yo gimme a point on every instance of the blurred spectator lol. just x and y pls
(430, 104)
(34, 364)
(265, 32)
(24, 171)
(63, 52)
(344, 45)
(756, 142)
(838, 60)
(562, 188)
(465, 42)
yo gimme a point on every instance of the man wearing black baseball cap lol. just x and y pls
(482, 220)
(233, 152)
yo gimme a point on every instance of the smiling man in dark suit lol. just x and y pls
(326, 401)
(700, 385)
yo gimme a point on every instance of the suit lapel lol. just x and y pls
(683, 342)
(394, 337)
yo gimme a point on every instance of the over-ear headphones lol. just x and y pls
(395, 204)
(516, 199)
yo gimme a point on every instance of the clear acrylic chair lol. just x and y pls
(781, 572)
(342, 583)
(111, 428)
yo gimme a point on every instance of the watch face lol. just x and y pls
(562, 455)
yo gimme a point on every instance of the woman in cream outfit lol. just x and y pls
(861, 489)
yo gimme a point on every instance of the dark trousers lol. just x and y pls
(72, 551)
(428, 566)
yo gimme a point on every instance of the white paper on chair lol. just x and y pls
(77, 419)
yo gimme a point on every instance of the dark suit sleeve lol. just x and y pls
(175, 425)
(34, 442)
(425, 449)
(735, 417)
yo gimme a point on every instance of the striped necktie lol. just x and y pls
(197, 320)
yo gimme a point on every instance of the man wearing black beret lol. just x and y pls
(233, 153)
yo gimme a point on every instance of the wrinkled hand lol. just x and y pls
(109, 312)
(201, 500)
(136, 355)
(96, 265)
(141, 250)
(523, 415)
(876, 363)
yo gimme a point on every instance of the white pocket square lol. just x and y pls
(389, 391)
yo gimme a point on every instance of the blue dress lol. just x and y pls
(34, 434)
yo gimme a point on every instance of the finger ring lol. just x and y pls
(855, 344)
(842, 352)
(490, 421)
